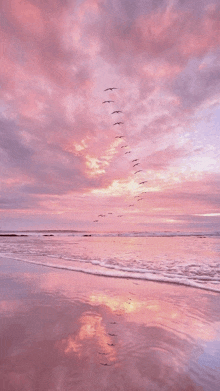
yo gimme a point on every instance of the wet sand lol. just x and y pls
(61, 330)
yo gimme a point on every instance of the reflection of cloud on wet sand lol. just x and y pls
(66, 337)
(10, 307)
(158, 311)
(92, 332)
(185, 315)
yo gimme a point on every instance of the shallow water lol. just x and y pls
(62, 330)
(192, 260)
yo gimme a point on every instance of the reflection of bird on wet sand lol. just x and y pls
(107, 365)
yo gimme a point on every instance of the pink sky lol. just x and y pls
(61, 163)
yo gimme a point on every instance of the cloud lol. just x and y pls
(58, 138)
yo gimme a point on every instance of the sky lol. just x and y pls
(62, 161)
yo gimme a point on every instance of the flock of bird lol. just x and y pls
(135, 162)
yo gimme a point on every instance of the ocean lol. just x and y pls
(191, 259)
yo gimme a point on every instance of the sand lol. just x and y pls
(62, 330)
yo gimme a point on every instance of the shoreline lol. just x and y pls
(109, 275)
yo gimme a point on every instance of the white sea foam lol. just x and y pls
(180, 259)
(117, 272)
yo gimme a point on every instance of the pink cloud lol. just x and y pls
(57, 138)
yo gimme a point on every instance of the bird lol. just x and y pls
(109, 213)
(138, 171)
(131, 205)
(141, 183)
(140, 199)
(95, 221)
(119, 136)
(111, 88)
(136, 164)
(120, 215)
(108, 101)
(112, 335)
(118, 123)
(116, 111)
(127, 152)
(101, 215)
(110, 344)
(124, 146)
(135, 160)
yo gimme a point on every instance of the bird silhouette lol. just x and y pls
(124, 146)
(118, 123)
(135, 160)
(120, 215)
(111, 88)
(131, 205)
(141, 183)
(95, 221)
(140, 199)
(108, 101)
(116, 111)
(127, 152)
(138, 171)
(119, 136)
(136, 164)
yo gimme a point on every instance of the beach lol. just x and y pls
(67, 330)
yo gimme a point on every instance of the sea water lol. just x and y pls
(191, 259)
